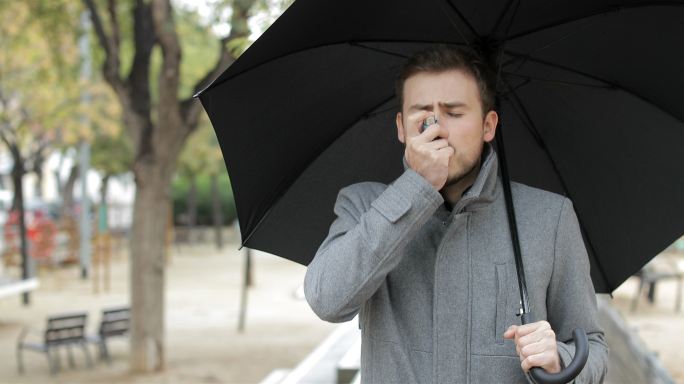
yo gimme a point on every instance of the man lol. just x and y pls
(427, 261)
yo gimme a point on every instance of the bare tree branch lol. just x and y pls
(169, 76)
(138, 109)
(4, 139)
(225, 59)
(239, 29)
(190, 108)
(116, 34)
(112, 61)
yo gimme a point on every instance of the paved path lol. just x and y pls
(203, 345)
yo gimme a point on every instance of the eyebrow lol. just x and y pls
(426, 107)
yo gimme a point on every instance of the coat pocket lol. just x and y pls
(496, 369)
(501, 296)
(395, 363)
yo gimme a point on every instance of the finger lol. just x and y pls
(538, 335)
(437, 144)
(446, 151)
(532, 327)
(414, 122)
(537, 360)
(541, 346)
(510, 332)
(433, 132)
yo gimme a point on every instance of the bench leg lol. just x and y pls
(651, 292)
(102, 352)
(635, 300)
(70, 353)
(105, 351)
(89, 360)
(53, 360)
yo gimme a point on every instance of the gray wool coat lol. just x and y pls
(436, 289)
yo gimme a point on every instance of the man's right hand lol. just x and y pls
(427, 153)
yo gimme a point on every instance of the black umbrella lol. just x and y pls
(590, 98)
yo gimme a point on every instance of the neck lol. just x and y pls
(453, 191)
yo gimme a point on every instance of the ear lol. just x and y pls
(490, 122)
(400, 128)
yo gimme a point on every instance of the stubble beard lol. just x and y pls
(458, 178)
(472, 168)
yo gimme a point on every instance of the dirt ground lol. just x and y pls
(202, 305)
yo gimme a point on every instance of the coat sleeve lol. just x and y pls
(364, 244)
(571, 299)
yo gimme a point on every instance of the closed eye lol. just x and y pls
(454, 114)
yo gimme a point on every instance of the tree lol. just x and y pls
(158, 127)
(112, 155)
(39, 94)
(202, 157)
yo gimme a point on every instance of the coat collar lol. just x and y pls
(485, 188)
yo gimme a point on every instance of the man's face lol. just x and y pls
(454, 98)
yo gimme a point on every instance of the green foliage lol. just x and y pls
(39, 69)
(200, 50)
(201, 154)
(112, 154)
(179, 191)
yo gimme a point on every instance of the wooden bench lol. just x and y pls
(65, 330)
(115, 322)
(11, 287)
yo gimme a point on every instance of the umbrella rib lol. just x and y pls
(610, 84)
(216, 83)
(531, 78)
(564, 37)
(512, 89)
(274, 200)
(613, 9)
(501, 17)
(460, 16)
(374, 49)
(529, 123)
(503, 48)
(348, 42)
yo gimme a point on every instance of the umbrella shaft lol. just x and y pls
(524, 301)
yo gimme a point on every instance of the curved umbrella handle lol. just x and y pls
(573, 369)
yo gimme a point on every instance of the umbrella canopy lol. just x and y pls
(590, 98)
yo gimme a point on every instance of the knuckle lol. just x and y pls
(532, 360)
(525, 351)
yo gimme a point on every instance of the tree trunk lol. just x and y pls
(157, 144)
(217, 211)
(104, 210)
(148, 249)
(18, 205)
(38, 163)
(39, 184)
(68, 193)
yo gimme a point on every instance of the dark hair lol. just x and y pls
(440, 58)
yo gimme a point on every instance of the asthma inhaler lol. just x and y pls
(428, 122)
